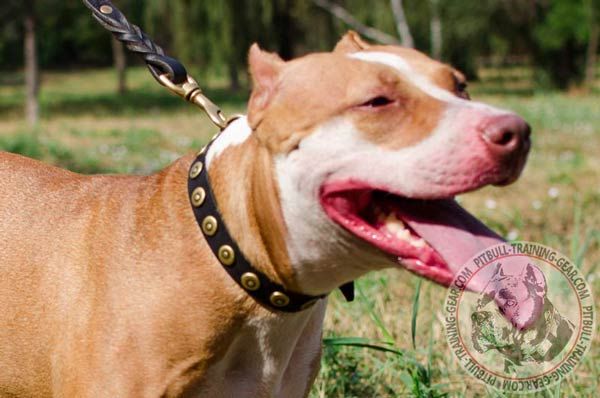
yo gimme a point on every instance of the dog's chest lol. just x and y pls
(270, 356)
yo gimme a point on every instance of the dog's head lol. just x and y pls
(514, 317)
(369, 146)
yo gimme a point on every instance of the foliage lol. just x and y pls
(561, 36)
(30, 145)
(215, 36)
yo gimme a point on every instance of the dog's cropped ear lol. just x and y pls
(351, 43)
(535, 278)
(265, 69)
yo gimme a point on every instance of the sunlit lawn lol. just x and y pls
(88, 128)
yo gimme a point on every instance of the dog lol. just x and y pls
(518, 319)
(346, 162)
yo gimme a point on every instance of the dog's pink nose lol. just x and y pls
(507, 138)
(507, 135)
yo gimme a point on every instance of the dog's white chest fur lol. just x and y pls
(273, 355)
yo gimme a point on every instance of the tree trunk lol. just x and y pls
(592, 51)
(283, 25)
(343, 15)
(120, 62)
(436, 30)
(401, 25)
(234, 77)
(32, 75)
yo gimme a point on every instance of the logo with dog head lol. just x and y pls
(519, 317)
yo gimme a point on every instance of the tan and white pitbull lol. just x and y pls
(347, 162)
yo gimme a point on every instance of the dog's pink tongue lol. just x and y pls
(452, 231)
(457, 236)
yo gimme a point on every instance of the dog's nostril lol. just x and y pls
(506, 133)
(506, 138)
(500, 136)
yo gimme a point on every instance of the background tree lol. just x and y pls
(593, 42)
(32, 74)
(435, 28)
(120, 61)
(351, 21)
(402, 27)
(561, 36)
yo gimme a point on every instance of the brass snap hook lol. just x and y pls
(191, 92)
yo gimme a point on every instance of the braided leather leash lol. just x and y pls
(167, 71)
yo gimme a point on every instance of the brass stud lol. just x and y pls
(250, 281)
(198, 196)
(226, 255)
(106, 9)
(201, 151)
(279, 299)
(209, 225)
(308, 304)
(196, 170)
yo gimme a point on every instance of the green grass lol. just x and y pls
(390, 342)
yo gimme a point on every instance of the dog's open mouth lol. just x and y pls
(432, 238)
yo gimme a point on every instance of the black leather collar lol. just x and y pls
(256, 284)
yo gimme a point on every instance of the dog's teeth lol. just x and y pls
(417, 243)
(393, 224)
(391, 217)
(403, 234)
(393, 227)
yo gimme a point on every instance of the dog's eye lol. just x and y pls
(377, 102)
(511, 303)
(461, 90)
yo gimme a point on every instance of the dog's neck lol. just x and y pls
(240, 174)
(273, 350)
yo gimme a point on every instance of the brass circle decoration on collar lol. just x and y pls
(250, 281)
(279, 299)
(198, 196)
(226, 255)
(255, 283)
(196, 169)
(209, 225)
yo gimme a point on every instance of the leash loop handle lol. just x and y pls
(168, 71)
(136, 41)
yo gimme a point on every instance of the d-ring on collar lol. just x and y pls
(268, 293)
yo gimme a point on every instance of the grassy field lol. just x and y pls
(86, 127)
